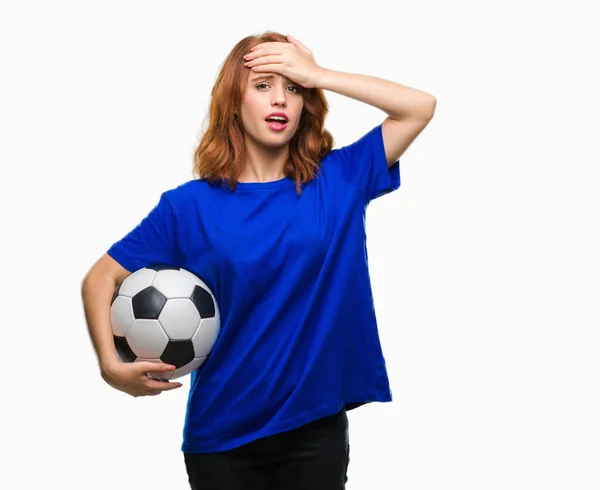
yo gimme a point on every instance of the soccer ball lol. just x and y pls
(164, 314)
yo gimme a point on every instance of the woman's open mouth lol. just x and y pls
(276, 126)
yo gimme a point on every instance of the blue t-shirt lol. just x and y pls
(299, 338)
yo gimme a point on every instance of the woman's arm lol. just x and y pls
(398, 101)
(96, 290)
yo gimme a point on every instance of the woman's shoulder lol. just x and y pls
(186, 188)
(182, 193)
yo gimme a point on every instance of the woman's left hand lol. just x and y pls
(292, 60)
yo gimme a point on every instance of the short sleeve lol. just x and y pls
(365, 163)
(152, 241)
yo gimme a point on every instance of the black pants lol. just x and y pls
(312, 457)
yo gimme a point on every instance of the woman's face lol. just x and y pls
(263, 96)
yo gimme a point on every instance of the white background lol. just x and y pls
(485, 263)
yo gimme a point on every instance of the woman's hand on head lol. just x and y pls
(292, 60)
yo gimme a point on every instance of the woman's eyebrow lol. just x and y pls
(270, 75)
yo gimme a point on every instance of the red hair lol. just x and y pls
(220, 155)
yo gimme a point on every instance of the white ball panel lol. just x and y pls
(188, 368)
(136, 282)
(147, 338)
(121, 315)
(179, 318)
(173, 284)
(196, 280)
(206, 336)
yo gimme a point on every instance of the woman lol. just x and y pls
(274, 224)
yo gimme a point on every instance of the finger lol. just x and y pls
(258, 54)
(267, 68)
(163, 385)
(146, 366)
(264, 57)
(271, 60)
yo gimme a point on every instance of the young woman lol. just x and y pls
(273, 223)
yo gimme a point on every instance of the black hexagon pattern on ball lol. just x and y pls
(204, 302)
(123, 349)
(178, 353)
(148, 303)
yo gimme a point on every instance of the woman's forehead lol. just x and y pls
(267, 76)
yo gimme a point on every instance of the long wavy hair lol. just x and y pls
(220, 156)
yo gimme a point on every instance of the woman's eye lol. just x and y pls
(297, 90)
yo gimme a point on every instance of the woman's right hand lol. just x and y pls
(132, 377)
